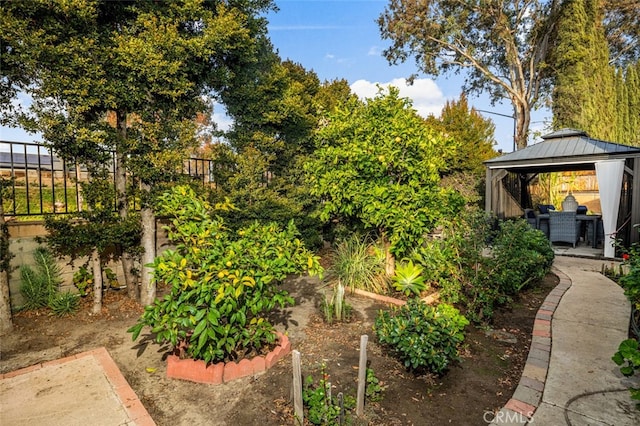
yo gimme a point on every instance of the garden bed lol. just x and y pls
(483, 381)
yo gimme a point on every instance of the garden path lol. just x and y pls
(569, 378)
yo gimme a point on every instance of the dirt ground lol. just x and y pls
(491, 365)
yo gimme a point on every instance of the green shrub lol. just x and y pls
(322, 406)
(479, 267)
(223, 284)
(520, 256)
(83, 280)
(630, 281)
(64, 303)
(628, 359)
(423, 337)
(40, 282)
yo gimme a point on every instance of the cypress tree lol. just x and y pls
(584, 96)
(622, 108)
(601, 115)
(570, 59)
(632, 80)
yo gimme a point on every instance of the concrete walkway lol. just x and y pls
(569, 377)
(80, 390)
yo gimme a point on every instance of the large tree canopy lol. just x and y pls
(379, 163)
(502, 46)
(126, 76)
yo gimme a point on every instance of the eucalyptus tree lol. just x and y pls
(129, 77)
(622, 29)
(502, 46)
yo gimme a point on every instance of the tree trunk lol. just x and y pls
(80, 196)
(147, 286)
(522, 117)
(123, 205)
(6, 325)
(97, 282)
(390, 260)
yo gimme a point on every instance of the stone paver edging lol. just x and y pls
(525, 400)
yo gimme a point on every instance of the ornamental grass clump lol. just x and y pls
(423, 337)
(223, 283)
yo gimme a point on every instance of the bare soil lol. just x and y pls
(482, 382)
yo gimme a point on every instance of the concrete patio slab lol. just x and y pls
(84, 389)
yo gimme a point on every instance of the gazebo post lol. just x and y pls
(488, 196)
(635, 199)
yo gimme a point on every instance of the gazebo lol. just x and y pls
(617, 170)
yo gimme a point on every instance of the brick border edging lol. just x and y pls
(528, 394)
(130, 402)
(214, 374)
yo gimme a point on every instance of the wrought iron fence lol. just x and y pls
(37, 182)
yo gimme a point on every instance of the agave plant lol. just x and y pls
(408, 278)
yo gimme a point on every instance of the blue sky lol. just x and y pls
(340, 39)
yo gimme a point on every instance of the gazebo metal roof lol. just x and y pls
(562, 150)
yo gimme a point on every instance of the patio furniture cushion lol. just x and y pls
(564, 227)
(544, 208)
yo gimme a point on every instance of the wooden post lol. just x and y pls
(298, 407)
(341, 405)
(362, 375)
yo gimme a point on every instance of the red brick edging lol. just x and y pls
(528, 394)
(200, 372)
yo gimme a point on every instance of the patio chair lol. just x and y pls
(530, 217)
(599, 235)
(564, 227)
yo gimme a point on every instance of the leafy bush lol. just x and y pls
(423, 337)
(222, 283)
(520, 256)
(323, 408)
(630, 281)
(628, 358)
(40, 282)
(479, 267)
(83, 280)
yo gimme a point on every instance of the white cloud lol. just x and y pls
(373, 51)
(220, 117)
(329, 56)
(426, 95)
